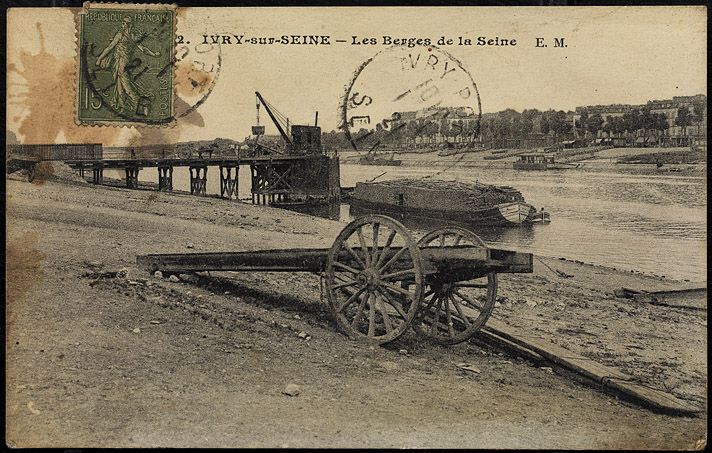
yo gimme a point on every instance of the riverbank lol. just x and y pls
(139, 361)
(620, 160)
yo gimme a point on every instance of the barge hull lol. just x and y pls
(505, 214)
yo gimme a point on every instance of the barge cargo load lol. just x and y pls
(472, 203)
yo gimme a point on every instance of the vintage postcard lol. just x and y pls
(356, 226)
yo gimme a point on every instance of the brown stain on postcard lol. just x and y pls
(162, 135)
(191, 81)
(23, 262)
(49, 99)
(50, 96)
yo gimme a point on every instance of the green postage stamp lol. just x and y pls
(125, 64)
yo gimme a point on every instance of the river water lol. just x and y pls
(655, 224)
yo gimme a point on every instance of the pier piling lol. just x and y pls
(98, 171)
(274, 179)
(165, 179)
(198, 179)
(132, 177)
(228, 181)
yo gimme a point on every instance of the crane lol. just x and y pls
(273, 113)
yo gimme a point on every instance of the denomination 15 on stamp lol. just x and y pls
(125, 73)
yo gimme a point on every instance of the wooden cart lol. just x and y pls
(380, 281)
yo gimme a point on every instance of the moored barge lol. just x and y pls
(473, 203)
(539, 161)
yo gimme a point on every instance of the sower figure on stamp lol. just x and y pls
(127, 92)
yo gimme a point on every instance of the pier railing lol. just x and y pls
(61, 152)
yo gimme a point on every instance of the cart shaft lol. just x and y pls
(436, 260)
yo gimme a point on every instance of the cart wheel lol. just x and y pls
(453, 311)
(367, 265)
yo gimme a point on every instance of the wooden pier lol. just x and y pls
(301, 171)
(273, 178)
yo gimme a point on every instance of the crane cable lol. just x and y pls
(279, 116)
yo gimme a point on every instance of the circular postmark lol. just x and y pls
(403, 94)
(128, 83)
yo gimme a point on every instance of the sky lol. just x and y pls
(623, 55)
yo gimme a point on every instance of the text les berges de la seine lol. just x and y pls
(327, 40)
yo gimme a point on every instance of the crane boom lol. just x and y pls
(274, 119)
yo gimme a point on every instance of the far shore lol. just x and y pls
(604, 161)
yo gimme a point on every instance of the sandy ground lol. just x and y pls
(138, 361)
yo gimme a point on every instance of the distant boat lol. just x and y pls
(473, 203)
(371, 159)
(540, 161)
(660, 168)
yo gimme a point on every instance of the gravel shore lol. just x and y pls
(97, 360)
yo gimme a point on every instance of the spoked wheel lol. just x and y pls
(453, 311)
(374, 279)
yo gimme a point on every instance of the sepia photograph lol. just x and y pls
(356, 225)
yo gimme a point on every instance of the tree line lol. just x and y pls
(642, 119)
(511, 124)
(493, 126)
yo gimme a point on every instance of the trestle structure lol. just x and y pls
(290, 178)
(165, 178)
(198, 179)
(132, 177)
(271, 181)
(229, 178)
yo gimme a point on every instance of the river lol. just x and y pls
(656, 224)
